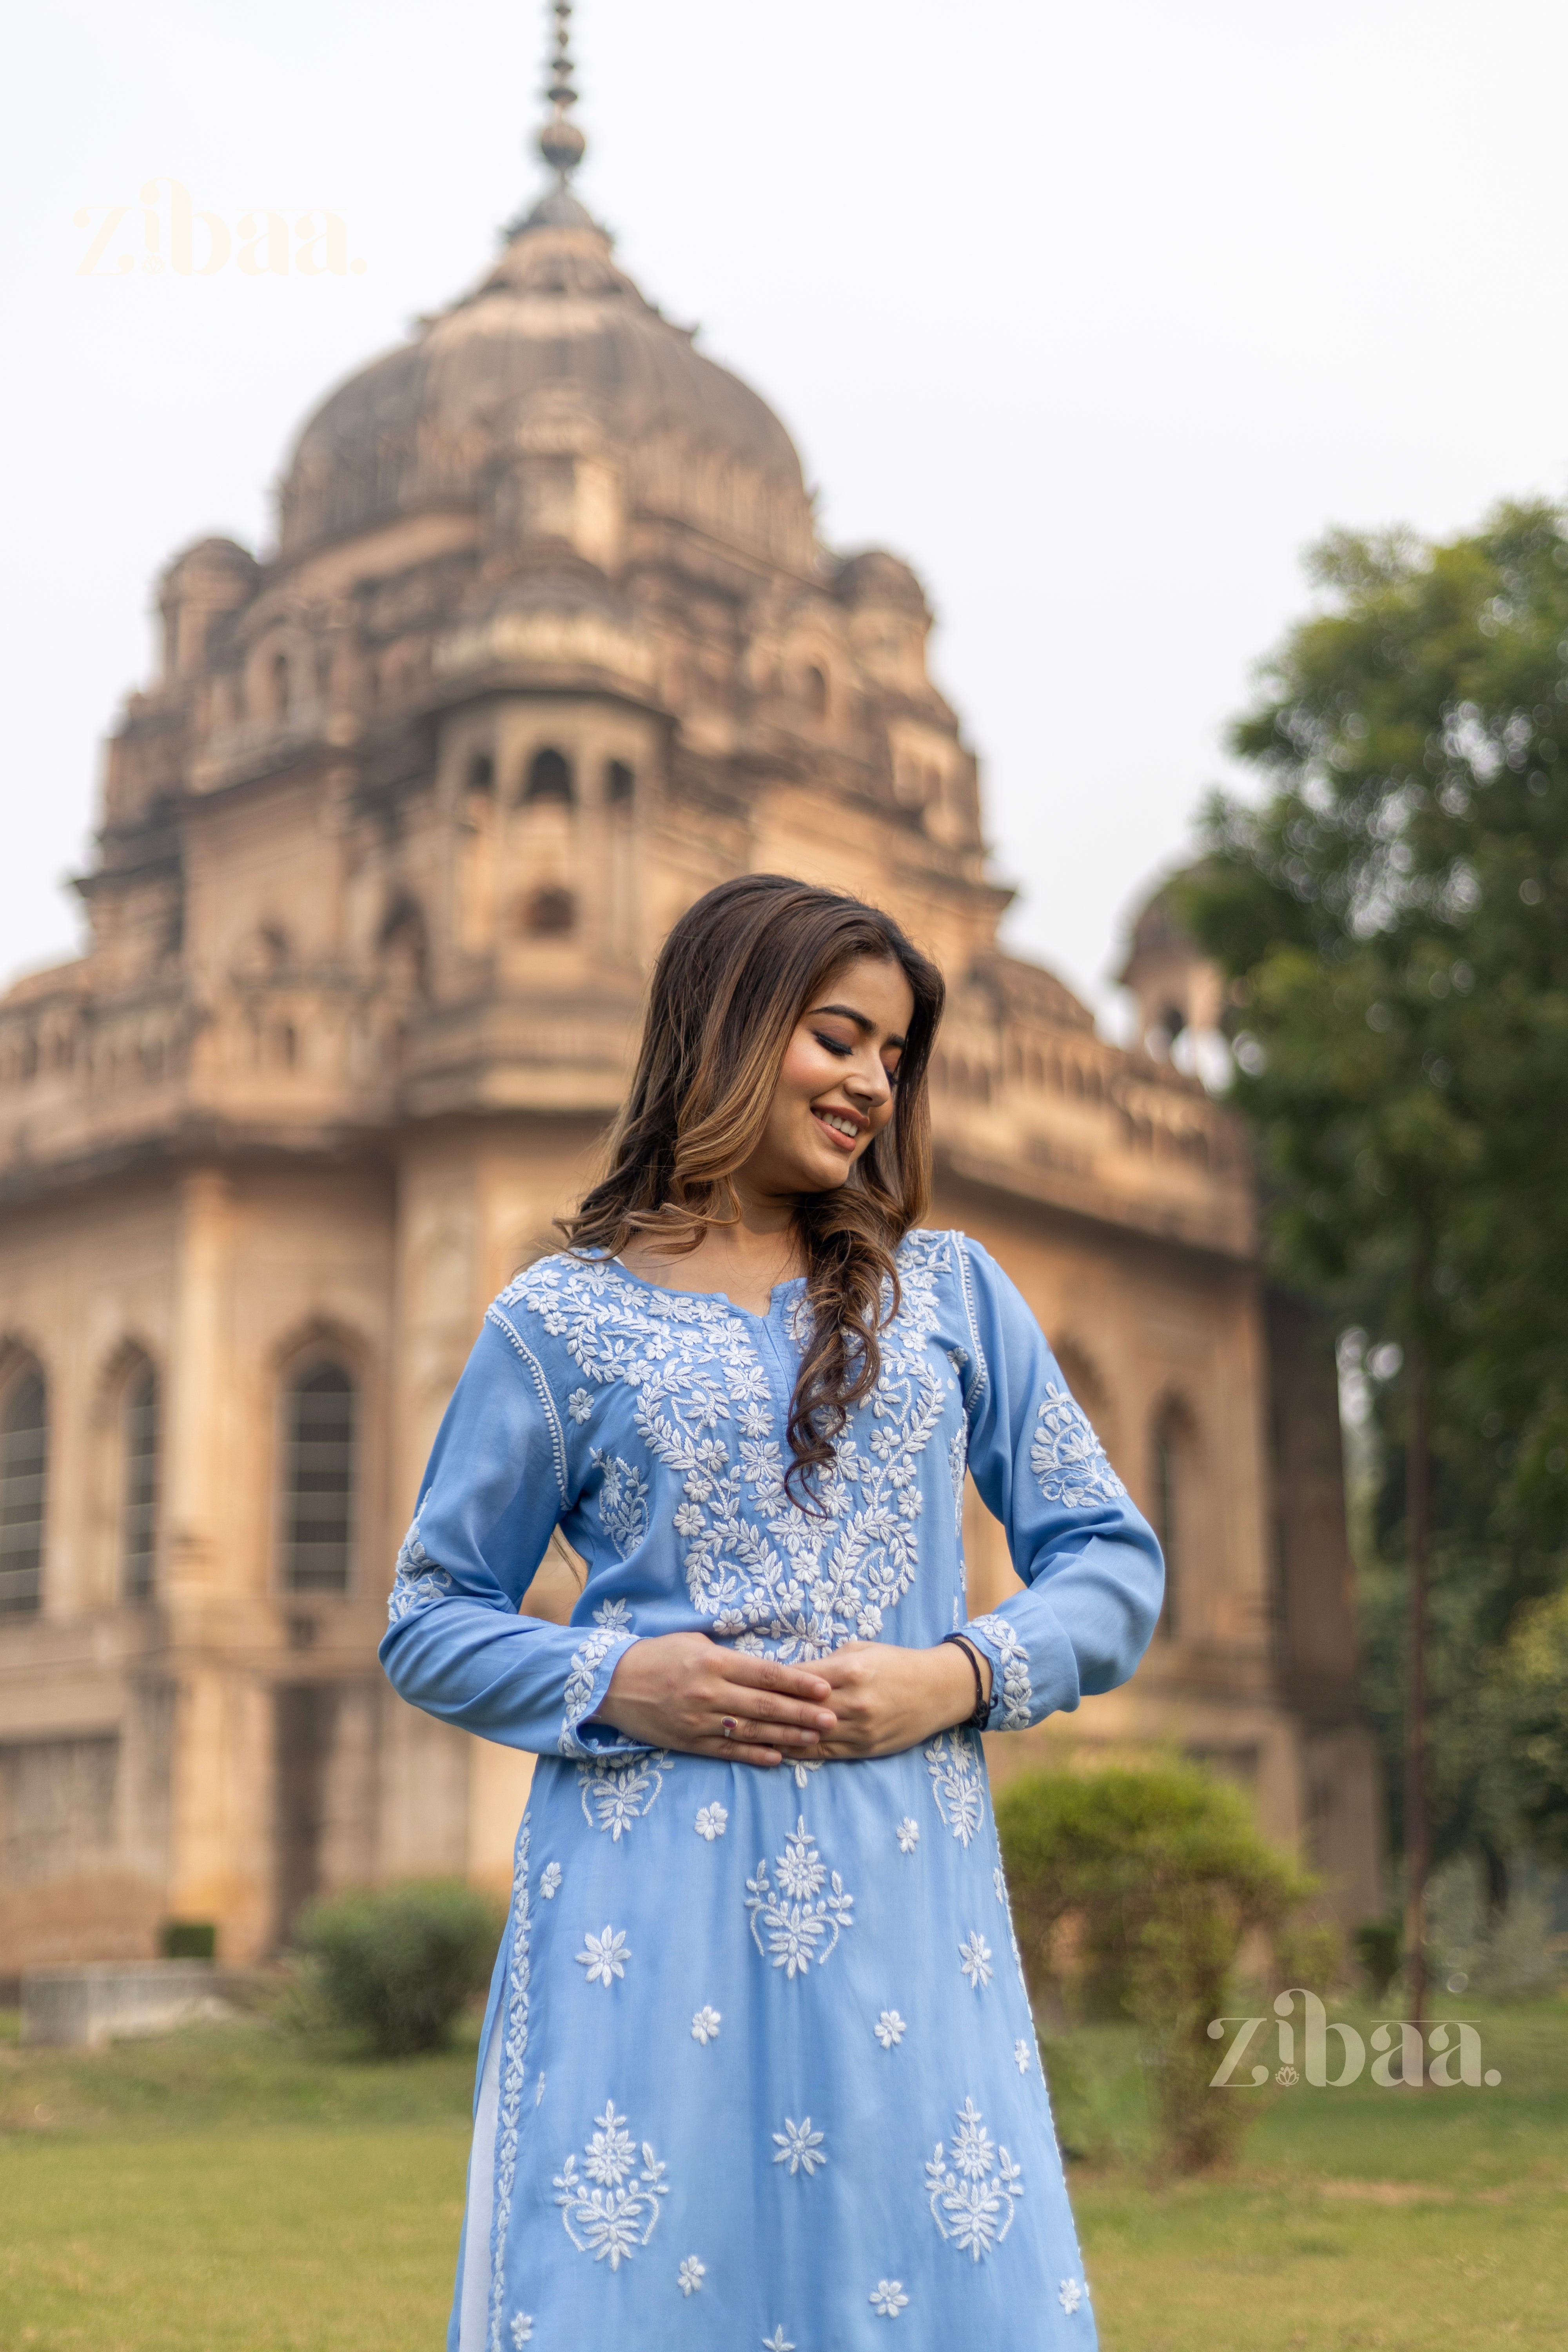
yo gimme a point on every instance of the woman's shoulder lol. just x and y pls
(558, 1282)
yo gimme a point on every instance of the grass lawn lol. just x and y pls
(236, 2185)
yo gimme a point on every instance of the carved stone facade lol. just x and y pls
(548, 645)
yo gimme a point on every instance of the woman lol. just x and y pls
(759, 2068)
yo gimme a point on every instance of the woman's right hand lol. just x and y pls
(677, 1690)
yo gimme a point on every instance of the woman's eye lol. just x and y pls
(833, 1044)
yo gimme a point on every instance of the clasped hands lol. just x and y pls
(869, 1698)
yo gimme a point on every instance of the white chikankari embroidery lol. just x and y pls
(1069, 2295)
(416, 1579)
(586, 1660)
(620, 1793)
(539, 2089)
(957, 1463)
(973, 1960)
(799, 2147)
(1021, 2056)
(623, 1501)
(1000, 1884)
(1017, 1693)
(521, 2329)
(711, 1822)
(889, 2029)
(513, 2026)
(604, 1957)
(972, 2195)
(705, 2026)
(550, 1881)
(952, 1760)
(691, 2274)
(615, 1616)
(794, 1583)
(610, 2220)
(798, 1916)
(777, 2341)
(579, 1405)
(1067, 1458)
(887, 2298)
(908, 1834)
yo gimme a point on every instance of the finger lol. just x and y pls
(733, 1752)
(767, 1673)
(762, 1706)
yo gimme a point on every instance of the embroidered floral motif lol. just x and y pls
(521, 2329)
(974, 1959)
(621, 1793)
(957, 1465)
(550, 1881)
(579, 1404)
(958, 1783)
(908, 1834)
(539, 2089)
(416, 1579)
(793, 1583)
(615, 1616)
(614, 2216)
(623, 1502)
(691, 2274)
(799, 2147)
(888, 2299)
(586, 1660)
(889, 2029)
(1069, 2295)
(798, 1915)
(1067, 1458)
(513, 2025)
(1000, 1884)
(972, 2194)
(604, 1957)
(1021, 2056)
(1017, 1693)
(705, 2026)
(711, 1822)
(777, 2341)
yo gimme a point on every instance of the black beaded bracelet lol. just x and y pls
(982, 1715)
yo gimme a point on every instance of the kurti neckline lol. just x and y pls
(715, 1298)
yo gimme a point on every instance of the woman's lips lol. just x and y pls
(835, 1134)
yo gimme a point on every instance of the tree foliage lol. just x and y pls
(1394, 917)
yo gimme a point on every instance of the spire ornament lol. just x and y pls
(561, 143)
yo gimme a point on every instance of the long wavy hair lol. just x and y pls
(734, 977)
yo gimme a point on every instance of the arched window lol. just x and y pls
(620, 784)
(139, 1516)
(319, 1470)
(24, 1482)
(815, 684)
(548, 778)
(1171, 1486)
(549, 914)
(280, 686)
(481, 773)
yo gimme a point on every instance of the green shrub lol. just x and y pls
(1154, 1879)
(1380, 1949)
(188, 1939)
(399, 1964)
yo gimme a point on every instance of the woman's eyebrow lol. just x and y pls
(862, 1021)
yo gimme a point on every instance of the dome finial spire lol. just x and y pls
(561, 143)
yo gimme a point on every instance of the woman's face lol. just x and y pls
(835, 1090)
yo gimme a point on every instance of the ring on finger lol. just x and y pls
(728, 1727)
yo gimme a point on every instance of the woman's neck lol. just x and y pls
(746, 1260)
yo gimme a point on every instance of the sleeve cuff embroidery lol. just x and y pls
(588, 1679)
(1012, 1695)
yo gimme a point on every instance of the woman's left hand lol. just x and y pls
(888, 1699)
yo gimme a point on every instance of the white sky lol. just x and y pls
(1098, 314)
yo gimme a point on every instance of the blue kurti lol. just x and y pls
(759, 2067)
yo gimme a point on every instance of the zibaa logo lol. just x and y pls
(172, 235)
(1400, 2052)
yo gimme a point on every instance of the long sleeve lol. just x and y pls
(496, 1487)
(1089, 1559)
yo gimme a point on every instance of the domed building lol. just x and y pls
(548, 646)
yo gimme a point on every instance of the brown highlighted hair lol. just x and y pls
(734, 977)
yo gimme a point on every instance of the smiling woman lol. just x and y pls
(759, 1847)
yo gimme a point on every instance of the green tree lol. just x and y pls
(1393, 915)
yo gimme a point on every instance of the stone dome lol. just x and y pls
(556, 348)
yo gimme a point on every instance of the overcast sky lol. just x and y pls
(1098, 314)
